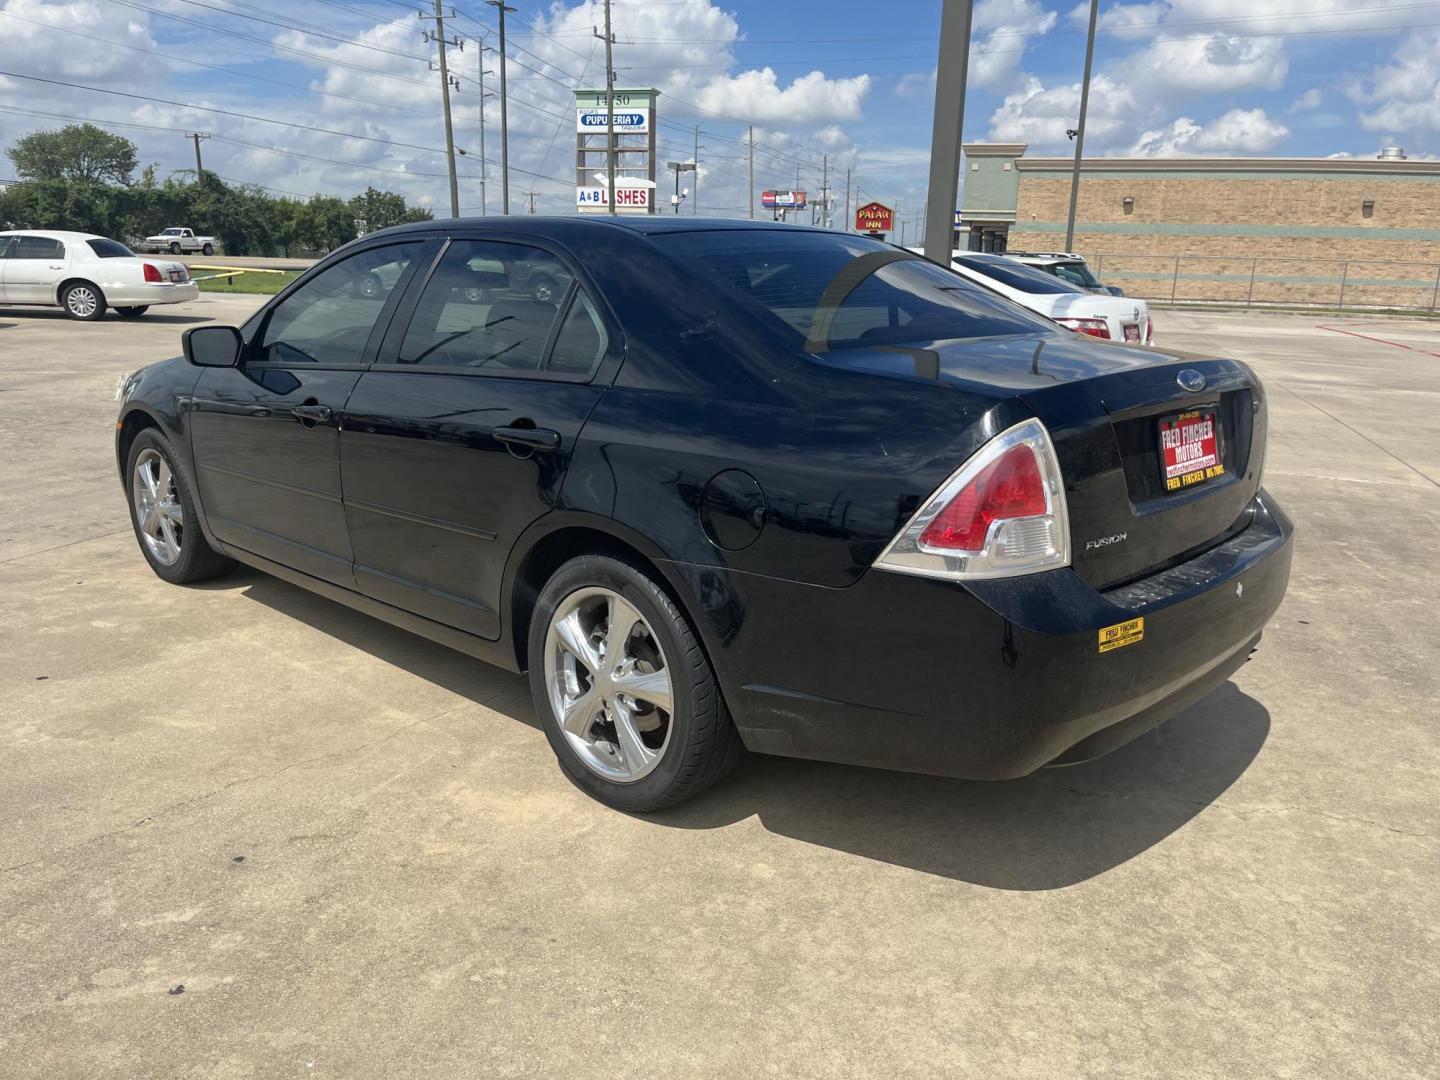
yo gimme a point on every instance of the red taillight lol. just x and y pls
(1094, 327)
(1009, 487)
(1000, 514)
(1149, 330)
(152, 272)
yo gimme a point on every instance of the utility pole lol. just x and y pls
(445, 82)
(531, 196)
(825, 191)
(502, 8)
(950, 75)
(199, 168)
(484, 166)
(1080, 128)
(847, 200)
(751, 129)
(695, 191)
(609, 40)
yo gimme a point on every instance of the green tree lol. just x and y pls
(81, 152)
(377, 209)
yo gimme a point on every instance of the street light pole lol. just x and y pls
(484, 204)
(1080, 127)
(950, 77)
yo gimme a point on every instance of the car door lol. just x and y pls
(6, 241)
(33, 269)
(265, 434)
(458, 437)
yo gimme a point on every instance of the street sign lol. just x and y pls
(874, 217)
(782, 200)
(627, 121)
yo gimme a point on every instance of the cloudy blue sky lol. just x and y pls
(839, 78)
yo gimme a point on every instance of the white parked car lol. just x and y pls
(85, 274)
(178, 241)
(1118, 318)
(1067, 266)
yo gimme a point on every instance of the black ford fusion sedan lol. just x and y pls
(728, 484)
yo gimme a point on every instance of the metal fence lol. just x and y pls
(1261, 280)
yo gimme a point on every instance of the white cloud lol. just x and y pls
(1172, 69)
(1126, 21)
(1405, 93)
(1008, 25)
(1237, 131)
(67, 56)
(1040, 115)
(1307, 101)
(758, 95)
(917, 84)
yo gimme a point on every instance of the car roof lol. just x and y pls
(643, 224)
(53, 234)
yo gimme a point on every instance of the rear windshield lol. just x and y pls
(1016, 275)
(830, 291)
(109, 249)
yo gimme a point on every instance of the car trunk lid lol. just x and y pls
(1103, 405)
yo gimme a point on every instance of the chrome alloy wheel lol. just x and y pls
(81, 301)
(157, 507)
(609, 684)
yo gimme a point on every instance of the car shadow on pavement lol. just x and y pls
(56, 315)
(1049, 830)
(474, 679)
(1055, 828)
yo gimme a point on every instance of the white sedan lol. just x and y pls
(1117, 318)
(84, 274)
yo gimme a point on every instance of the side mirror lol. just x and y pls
(212, 346)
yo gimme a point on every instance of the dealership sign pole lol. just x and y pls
(950, 74)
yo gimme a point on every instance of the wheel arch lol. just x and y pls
(77, 279)
(562, 536)
(128, 428)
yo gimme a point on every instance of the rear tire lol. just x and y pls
(83, 301)
(619, 745)
(163, 514)
(132, 312)
(208, 250)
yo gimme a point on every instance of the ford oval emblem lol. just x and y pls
(1191, 380)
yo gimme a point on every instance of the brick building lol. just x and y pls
(1267, 229)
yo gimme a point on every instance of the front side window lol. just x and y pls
(826, 291)
(476, 313)
(1076, 274)
(37, 247)
(328, 320)
(109, 249)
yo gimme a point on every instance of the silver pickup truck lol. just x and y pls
(178, 241)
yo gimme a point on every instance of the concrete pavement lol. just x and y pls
(249, 833)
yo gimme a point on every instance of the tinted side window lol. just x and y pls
(37, 247)
(328, 320)
(109, 249)
(581, 343)
(476, 313)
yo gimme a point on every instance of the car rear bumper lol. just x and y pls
(994, 679)
(151, 294)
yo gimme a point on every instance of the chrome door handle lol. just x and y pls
(315, 414)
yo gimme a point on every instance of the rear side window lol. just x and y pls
(37, 247)
(816, 290)
(109, 249)
(1076, 274)
(328, 320)
(481, 310)
(1015, 275)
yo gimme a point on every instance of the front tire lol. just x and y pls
(132, 312)
(83, 301)
(625, 693)
(174, 249)
(162, 511)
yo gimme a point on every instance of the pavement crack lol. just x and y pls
(59, 547)
(237, 782)
(1362, 435)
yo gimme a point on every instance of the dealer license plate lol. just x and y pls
(1190, 449)
(1132, 333)
(177, 276)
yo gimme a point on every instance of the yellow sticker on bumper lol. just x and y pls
(1121, 634)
